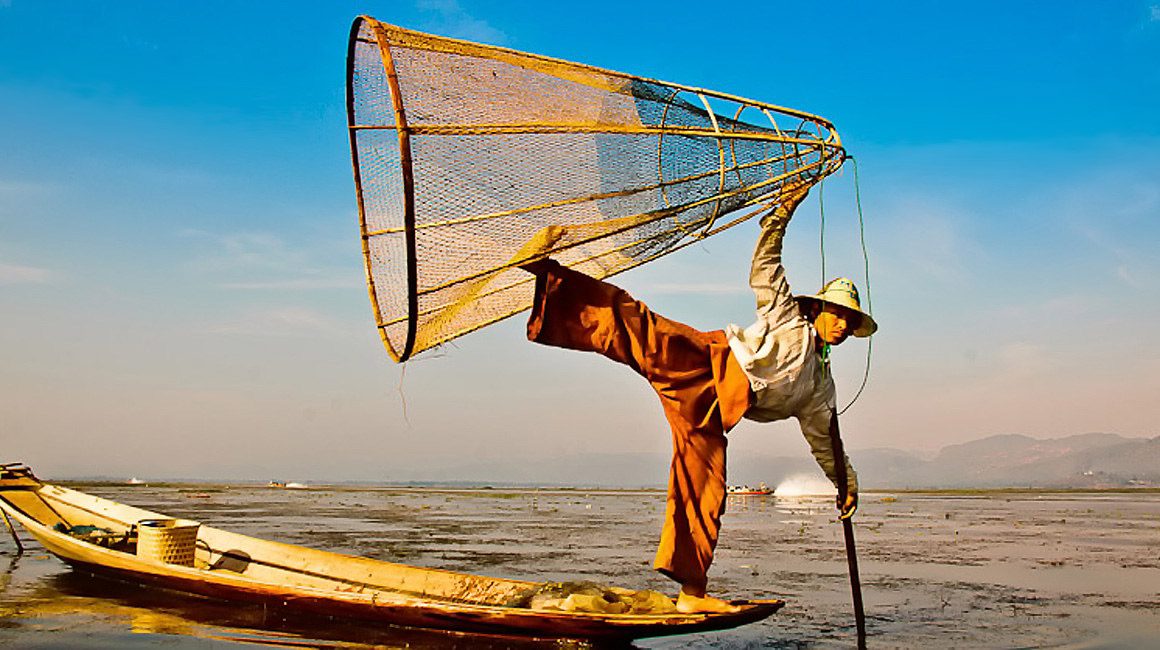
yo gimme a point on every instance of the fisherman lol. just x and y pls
(707, 381)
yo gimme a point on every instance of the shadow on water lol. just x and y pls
(158, 612)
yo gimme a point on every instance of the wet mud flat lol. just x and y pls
(987, 570)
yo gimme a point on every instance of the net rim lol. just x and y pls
(480, 47)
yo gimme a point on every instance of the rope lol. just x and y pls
(822, 228)
(865, 265)
(866, 276)
(403, 395)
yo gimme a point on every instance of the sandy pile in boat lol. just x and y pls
(591, 597)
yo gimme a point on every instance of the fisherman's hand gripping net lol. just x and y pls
(470, 160)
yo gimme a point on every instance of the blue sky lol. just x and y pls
(180, 273)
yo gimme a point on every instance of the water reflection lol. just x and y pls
(6, 577)
(145, 611)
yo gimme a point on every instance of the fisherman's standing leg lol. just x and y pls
(701, 407)
(696, 497)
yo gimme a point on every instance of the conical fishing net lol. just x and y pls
(470, 160)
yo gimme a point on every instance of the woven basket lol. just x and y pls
(171, 541)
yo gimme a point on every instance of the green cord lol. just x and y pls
(866, 271)
(822, 227)
(862, 235)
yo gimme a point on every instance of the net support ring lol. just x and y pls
(661, 148)
(721, 166)
(405, 165)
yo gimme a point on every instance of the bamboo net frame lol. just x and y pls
(470, 160)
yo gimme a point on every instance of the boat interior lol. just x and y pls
(55, 514)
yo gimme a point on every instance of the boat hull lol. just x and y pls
(237, 568)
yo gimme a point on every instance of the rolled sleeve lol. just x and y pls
(775, 303)
(816, 430)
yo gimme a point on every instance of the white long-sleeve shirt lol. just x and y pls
(779, 356)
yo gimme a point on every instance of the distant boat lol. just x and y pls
(101, 536)
(745, 490)
(135, 481)
(290, 486)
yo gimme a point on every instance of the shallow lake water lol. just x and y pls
(995, 570)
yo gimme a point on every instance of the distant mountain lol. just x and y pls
(1086, 460)
(1091, 460)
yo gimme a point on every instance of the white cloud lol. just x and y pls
(337, 282)
(285, 322)
(924, 239)
(17, 274)
(246, 250)
(259, 261)
(1121, 231)
(455, 22)
(22, 188)
(1060, 307)
(1125, 274)
(1125, 200)
(701, 288)
(1020, 359)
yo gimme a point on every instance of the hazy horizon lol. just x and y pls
(647, 470)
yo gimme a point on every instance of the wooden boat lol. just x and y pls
(104, 537)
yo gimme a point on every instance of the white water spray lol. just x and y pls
(800, 485)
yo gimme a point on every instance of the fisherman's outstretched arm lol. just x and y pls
(816, 429)
(767, 278)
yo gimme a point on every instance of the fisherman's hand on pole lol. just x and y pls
(849, 506)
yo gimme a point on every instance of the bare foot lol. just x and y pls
(537, 267)
(539, 246)
(689, 602)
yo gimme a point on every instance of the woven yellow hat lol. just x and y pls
(843, 293)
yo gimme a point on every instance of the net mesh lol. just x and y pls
(470, 160)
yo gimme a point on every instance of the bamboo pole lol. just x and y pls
(368, 268)
(419, 40)
(408, 186)
(579, 199)
(508, 314)
(848, 528)
(653, 216)
(601, 129)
